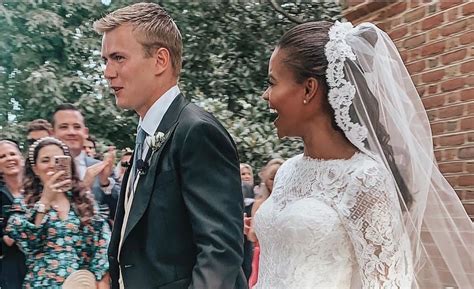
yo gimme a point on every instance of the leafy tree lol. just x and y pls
(49, 54)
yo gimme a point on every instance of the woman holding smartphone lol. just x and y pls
(56, 224)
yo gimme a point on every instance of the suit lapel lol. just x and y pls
(145, 183)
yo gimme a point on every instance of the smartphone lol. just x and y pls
(63, 163)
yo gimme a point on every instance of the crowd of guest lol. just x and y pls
(53, 226)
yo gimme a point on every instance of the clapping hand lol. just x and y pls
(247, 224)
(109, 163)
(102, 169)
(92, 172)
(248, 229)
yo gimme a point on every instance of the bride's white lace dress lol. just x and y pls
(332, 224)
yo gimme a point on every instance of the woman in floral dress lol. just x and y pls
(58, 229)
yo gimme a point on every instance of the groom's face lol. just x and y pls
(129, 72)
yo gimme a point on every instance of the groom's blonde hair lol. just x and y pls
(153, 28)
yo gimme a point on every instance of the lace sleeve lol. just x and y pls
(372, 217)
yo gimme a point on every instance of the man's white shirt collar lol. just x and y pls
(157, 111)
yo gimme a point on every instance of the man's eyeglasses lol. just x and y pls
(125, 164)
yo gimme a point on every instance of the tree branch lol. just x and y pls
(280, 10)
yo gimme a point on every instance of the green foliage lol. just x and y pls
(49, 54)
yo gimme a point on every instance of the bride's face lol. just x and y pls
(284, 96)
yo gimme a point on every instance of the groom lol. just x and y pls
(179, 219)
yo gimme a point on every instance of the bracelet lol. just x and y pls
(40, 208)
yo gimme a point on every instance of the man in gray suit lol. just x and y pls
(179, 222)
(69, 126)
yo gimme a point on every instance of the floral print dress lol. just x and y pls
(57, 247)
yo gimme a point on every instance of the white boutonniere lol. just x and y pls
(156, 141)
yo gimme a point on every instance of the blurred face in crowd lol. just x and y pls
(69, 127)
(44, 162)
(246, 175)
(89, 148)
(11, 161)
(269, 176)
(130, 73)
(36, 135)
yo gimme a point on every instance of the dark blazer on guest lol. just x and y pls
(185, 227)
(12, 261)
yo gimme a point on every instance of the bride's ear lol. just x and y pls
(311, 89)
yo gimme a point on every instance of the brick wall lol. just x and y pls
(435, 39)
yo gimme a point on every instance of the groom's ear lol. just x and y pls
(162, 60)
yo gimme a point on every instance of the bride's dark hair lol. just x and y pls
(82, 200)
(304, 50)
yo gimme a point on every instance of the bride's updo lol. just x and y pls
(304, 46)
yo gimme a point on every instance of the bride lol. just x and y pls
(348, 212)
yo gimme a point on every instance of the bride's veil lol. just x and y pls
(382, 114)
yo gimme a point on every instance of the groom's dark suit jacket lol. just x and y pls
(185, 223)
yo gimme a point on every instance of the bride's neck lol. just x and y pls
(324, 142)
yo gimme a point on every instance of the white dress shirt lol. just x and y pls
(155, 114)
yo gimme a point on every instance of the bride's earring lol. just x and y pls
(305, 101)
